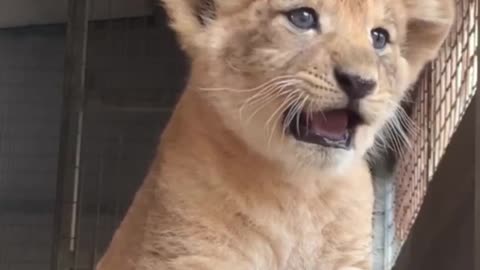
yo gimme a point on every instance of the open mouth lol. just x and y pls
(332, 128)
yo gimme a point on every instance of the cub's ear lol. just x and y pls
(429, 22)
(189, 18)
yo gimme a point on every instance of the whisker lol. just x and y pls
(299, 111)
(291, 114)
(265, 93)
(213, 89)
(286, 101)
(266, 100)
(232, 66)
(291, 98)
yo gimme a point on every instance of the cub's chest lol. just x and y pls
(320, 237)
(319, 243)
(327, 249)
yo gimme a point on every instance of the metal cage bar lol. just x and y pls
(68, 178)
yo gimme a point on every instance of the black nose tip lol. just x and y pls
(354, 86)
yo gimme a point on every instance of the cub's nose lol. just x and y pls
(354, 86)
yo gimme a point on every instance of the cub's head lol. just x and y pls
(308, 81)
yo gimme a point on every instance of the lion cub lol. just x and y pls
(262, 164)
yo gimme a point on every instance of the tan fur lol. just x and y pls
(228, 189)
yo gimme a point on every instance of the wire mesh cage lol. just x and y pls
(82, 107)
(133, 70)
(444, 92)
(29, 143)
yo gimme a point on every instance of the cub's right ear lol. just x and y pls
(429, 22)
(189, 18)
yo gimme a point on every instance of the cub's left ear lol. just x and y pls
(429, 22)
(189, 18)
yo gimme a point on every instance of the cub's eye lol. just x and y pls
(380, 38)
(303, 18)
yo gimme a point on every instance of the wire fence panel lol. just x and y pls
(445, 91)
(133, 75)
(31, 76)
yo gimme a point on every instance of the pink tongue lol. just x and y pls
(330, 124)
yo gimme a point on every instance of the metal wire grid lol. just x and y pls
(133, 72)
(444, 93)
(31, 74)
